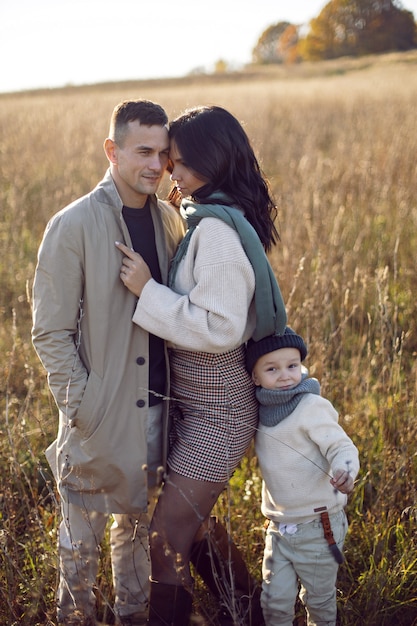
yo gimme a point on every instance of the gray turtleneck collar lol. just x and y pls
(277, 404)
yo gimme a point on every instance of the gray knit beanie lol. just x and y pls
(256, 349)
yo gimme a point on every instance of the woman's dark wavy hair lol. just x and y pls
(213, 144)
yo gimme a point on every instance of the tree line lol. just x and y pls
(343, 28)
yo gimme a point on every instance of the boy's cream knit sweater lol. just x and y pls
(297, 458)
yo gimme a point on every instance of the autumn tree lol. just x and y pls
(288, 44)
(277, 44)
(357, 27)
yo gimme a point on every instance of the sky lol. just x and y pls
(53, 43)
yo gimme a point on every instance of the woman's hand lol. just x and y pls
(134, 272)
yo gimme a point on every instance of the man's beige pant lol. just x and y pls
(80, 535)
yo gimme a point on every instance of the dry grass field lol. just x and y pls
(338, 142)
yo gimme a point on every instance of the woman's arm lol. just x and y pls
(214, 290)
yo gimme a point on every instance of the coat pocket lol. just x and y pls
(88, 417)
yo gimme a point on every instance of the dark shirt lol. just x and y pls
(142, 234)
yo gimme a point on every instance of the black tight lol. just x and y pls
(182, 507)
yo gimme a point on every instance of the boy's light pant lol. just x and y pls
(80, 535)
(303, 557)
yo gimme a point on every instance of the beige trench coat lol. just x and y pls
(95, 356)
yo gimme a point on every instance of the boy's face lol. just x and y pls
(280, 369)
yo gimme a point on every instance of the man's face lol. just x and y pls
(139, 164)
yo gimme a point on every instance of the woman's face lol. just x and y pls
(186, 180)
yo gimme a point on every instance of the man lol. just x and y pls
(108, 376)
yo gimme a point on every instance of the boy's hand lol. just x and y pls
(342, 481)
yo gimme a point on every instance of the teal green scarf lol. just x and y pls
(271, 317)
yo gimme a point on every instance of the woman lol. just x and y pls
(222, 292)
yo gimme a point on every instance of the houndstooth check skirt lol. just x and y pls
(214, 413)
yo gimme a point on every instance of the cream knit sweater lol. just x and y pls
(298, 456)
(211, 309)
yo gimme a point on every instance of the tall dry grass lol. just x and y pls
(339, 147)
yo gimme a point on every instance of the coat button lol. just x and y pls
(140, 403)
(140, 360)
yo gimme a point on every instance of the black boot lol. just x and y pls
(215, 556)
(169, 605)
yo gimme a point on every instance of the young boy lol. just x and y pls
(308, 465)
